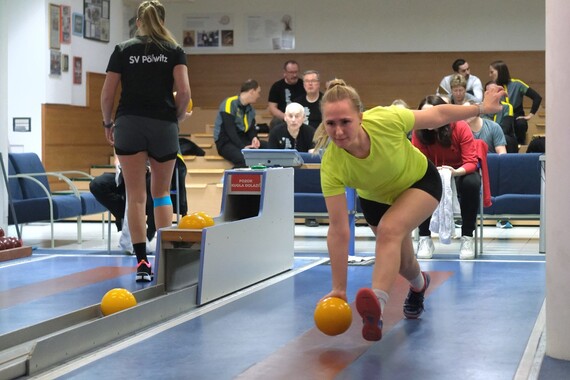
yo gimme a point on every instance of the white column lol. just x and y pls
(557, 179)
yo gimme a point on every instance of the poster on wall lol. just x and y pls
(54, 62)
(77, 70)
(213, 30)
(96, 16)
(270, 31)
(77, 24)
(54, 27)
(65, 24)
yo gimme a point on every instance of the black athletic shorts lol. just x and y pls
(430, 183)
(159, 138)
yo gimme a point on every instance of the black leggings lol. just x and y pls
(469, 193)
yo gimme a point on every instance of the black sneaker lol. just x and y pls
(414, 304)
(144, 272)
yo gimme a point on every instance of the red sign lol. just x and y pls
(245, 183)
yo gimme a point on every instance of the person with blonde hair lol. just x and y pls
(398, 189)
(149, 67)
(459, 94)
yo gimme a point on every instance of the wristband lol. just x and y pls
(111, 124)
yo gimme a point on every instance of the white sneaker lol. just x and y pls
(151, 246)
(125, 239)
(425, 248)
(467, 251)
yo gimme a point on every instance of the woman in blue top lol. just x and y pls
(398, 189)
(149, 67)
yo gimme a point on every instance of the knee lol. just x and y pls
(390, 232)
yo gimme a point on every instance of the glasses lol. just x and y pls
(311, 81)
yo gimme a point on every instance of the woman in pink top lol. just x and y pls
(452, 146)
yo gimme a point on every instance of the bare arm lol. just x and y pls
(337, 241)
(108, 92)
(501, 149)
(110, 86)
(182, 88)
(274, 111)
(435, 117)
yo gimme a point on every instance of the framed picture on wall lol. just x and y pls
(78, 24)
(77, 70)
(54, 62)
(54, 26)
(64, 63)
(65, 24)
(96, 17)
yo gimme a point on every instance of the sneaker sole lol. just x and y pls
(368, 307)
(427, 279)
(144, 277)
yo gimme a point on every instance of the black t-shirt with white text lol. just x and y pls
(147, 78)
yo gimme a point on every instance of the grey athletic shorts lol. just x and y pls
(159, 138)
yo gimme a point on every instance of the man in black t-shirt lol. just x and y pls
(284, 91)
(311, 101)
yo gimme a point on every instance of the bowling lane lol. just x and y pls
(32, 291)
(480, 315)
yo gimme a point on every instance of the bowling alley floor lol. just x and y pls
(484, 318)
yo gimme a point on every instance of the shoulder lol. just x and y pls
(461, 128)
(518, 83)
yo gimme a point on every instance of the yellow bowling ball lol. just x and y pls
(333, 316)
(117, 299)
(192, 222)
(209, 221)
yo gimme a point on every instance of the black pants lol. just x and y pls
(232, 152)
(521, 127)
(105, 190)
(469, 193)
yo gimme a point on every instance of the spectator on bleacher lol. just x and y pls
(515, 90)
(234, 128)
(488, 131)
(473, 85)
(312, 100)
(506, 120)
(452, 146)
(294, 134)
(284, 91)
(537, 145)
(459, 94)
(397, 185)
(146, 120)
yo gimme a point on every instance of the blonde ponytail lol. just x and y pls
(151, 14)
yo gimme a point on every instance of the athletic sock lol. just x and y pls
(382, 298)
(418, 283)
(140, 251)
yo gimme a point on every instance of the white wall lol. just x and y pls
(3, 111)
(557, 181)
(383, 25)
